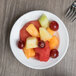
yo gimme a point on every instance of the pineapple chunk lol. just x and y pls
(31, 42)
(50, 31)
(44, 21)
(29, 52)
(44, 34)
(31, 29)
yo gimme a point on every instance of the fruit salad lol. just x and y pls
(39, 39)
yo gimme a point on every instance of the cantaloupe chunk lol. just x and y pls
(50, 31)
(29, 53)
(54, 42)
(31, 29)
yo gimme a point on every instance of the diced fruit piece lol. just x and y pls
(43, 54)
(54, 53)
(24, 34)
(54, 42)
(31, 42)
(44, 57)
(54, 25)
(44, 21)
(37, 56)
(31, 29)
(44, 34)
(36, 24)
(29, 52)
(50, 31)
(21, 44)
(41, 44)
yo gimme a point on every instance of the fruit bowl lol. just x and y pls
(15, 35)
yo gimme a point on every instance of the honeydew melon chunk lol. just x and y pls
(44, 21)
(44, 34)
(31, 42)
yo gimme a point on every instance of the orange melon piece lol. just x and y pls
(29, 53)
(50, 31)
(31, 29)
(54, 42)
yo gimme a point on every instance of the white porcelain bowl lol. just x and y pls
(33, 63)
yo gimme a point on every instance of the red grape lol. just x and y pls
(21, 44)
(41, 44)
(54, 53)
(54, 26)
